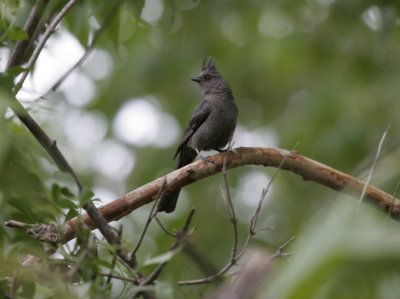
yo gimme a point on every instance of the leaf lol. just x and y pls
(158, 259)
(62, 197)
(16, 34)
(16, 70)
(28, 287)
(66, 183)
(55, 192)
(71, 214)
(85, 196)
(65, 191)
(6, 82)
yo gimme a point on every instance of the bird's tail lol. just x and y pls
(168, 201)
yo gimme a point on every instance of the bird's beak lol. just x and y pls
(196, 79)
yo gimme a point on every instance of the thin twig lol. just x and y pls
(233, 257)
(84, 255)
(21, 48)
(254, 218)
(17, 224)
(152, 214)
(250, 275)
(164, 228)
(143, 281)
(378, 152)
(180, 236)
(232, 214)
(119, 277)
(279, 251)
(88, 50)
(49, 31)
(114, 255)
(208, 279)
(200, 259)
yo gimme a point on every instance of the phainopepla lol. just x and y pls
(211, 126)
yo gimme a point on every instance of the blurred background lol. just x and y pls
(320, 76)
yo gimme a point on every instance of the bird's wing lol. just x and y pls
(199, 115)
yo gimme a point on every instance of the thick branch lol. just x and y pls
(308, 169)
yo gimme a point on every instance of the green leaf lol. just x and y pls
(65, 191)
(55, 192)
(62, 197)
(85, 196)
(66, 184)
(16, 34)
(16, 70)
(71, 214)
(6, 82)
(28, 287)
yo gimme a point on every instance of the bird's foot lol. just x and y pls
(205, 159)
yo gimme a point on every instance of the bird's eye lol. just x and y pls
(207, 77)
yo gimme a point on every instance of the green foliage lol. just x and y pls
(349, 254)
(323, 74)
(85, 196)
(16, 34)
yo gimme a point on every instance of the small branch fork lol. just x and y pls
(232, 218)
(235, 255)
(378, 152)
(180, 238)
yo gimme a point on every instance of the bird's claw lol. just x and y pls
(205, 159)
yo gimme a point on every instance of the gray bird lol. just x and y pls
(212, 124)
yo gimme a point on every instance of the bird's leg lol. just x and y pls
(203, 158)
(228, 148)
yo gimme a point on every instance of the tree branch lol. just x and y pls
(49, 31)
(232, 218)
(180, 236)
(308, 169)
(16, 58)
(21, 48)
(50, 145)
(88, 50)
(250, 274)
(378, 152)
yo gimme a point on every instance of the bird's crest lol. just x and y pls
(209, 64)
